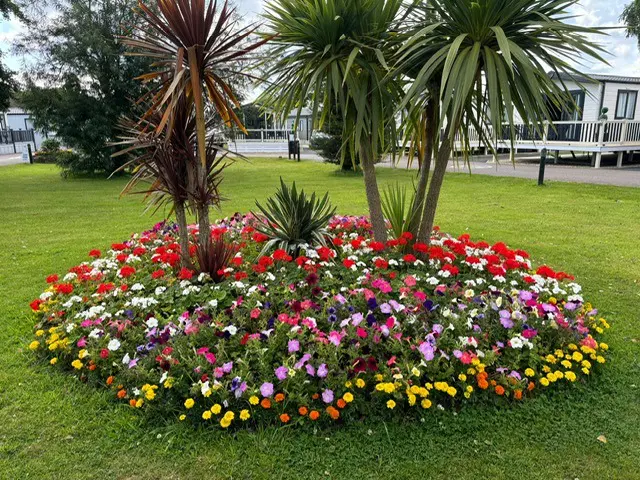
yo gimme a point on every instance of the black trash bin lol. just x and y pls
(294, 146)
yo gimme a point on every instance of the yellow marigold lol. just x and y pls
(83, 353)
(380, 387)
(347, 384)
(467, 394)
(379, 377)
(550, 358)
(546, 369)
(77, 364)
(245, 415)
(391, 404)
(428, 386)
(599, 330)
(559, 353)
(206, 415)
(426, 403)
(452, 391)
(150, 394)
(600, 359)
(139, 402)
(53, 361)
(168, 383)
(577, 356)
(189, 403)
(469, 389)
(412, 399)
(570, 376)
(39, 333)
(529, 372)
(224, 422)
(585, 371)
(348, 397)
(216, 409)
(360, 383)
(566, 363)
(604, 346)
(415, 372)
(572, 346)
(229, 415)
(34, 345)
(558, 374)
(182, 417)
(389, 388)
(253, 400)
(462, 377)
(544, 382)
(53, 346)
(415, 389)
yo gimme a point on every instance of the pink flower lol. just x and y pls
(282, 373)
(266, 389)
(361, 332)
(255, 313)
(293, 346)
(410, 281)
(335, 337)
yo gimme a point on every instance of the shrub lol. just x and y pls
(48, 152)
(292, 220)
(286, 339)
(397, 206)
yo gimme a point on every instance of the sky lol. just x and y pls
(624, 56)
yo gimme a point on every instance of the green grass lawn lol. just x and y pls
(51, 426)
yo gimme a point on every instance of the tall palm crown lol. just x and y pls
(489, 58)
(332, 53)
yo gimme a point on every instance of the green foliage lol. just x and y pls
(631, 18)
(397, 205)
(510, 43)
(333, 52)
(48, 152)
(291, 219)
(89, 83)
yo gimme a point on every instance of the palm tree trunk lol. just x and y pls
(431, 115)
(373, 194)
(183, 234)
(431, 204)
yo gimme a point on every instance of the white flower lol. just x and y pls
(114, 345)
(136, 287)
(516, 342)
(126, 359)
(152, 322)
(232, 329)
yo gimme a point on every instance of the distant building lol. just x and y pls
(19, 121)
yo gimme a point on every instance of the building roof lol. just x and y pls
(591, 77)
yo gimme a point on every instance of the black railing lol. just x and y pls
(11, 137)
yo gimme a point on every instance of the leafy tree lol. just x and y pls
(334, 50)
(8, 85)
(475, 64)
(83, 83)
(631, 18)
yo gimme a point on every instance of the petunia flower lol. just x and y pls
(282, 372)
(266, 389)
(327, 396)
(322, 370)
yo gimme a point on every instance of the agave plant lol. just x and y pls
(397, 205)
(291, 219)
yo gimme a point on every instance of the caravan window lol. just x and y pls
(626, 106)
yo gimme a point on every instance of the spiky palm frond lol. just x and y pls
(397, 204)
(488, 60)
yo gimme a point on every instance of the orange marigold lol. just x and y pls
(132, 402)
(531, 386)
(341, 403)
(265, 403)
(303, 411)
(109, 379)
(333, 412)
(315, 396)
(284, 418)
(121, 393)
(280, 397)
(314, 415)
(517, 394)
(500, 390)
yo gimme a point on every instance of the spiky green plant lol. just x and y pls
(291, 219)
(397, 204)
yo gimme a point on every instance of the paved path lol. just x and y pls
(10, 159)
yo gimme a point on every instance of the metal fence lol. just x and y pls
(13, 137)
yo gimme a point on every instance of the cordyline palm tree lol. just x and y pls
(475, 64)
(167, 165)
(332, 51)
(196, 48)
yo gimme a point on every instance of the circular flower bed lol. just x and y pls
(335, 334)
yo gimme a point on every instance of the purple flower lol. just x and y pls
(322, 370)
(457, 354)
(357, 319)
(293, 345)
(426, 350)
(385, 308)
(282, 372)
(505, 319)
(305, 358)
(570, 306)
(327, 396)
(226, 368)
(266, 389)
(437, 328)
(525, 295)
(310, 370)
(396, 306)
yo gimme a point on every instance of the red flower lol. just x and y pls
(185, 274)
(259, 237)
(127, 271)
(421, 247)
(409, 258)
(35, 305)
(452, 269)
(139, 251)
(158, 274)
(282, 255)
(376, 246)
(95, 253)
(348, 263)
(381, 263)
(104, 353)
(64, 288)
(105, 288)
(237, 261)
(52, 278)
(118, 247)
